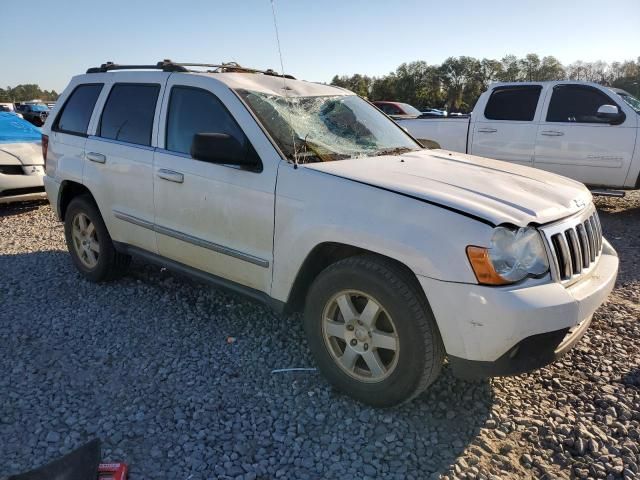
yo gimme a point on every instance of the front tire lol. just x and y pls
(90, 244)
(372, 332)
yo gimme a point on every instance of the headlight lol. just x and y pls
(512, 256)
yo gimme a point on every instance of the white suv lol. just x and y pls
(306, 196)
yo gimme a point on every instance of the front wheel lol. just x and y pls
(372, 332)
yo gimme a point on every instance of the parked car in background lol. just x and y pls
(398, 109)
(577, 129)
(434, 112)
(10, 108)
(36, 113)
(21, 162)
(306, 197)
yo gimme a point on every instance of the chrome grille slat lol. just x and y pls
(584, 243)
(591, 237)
(576, 251)
(564, 257)
(574, 245)
(596, 219)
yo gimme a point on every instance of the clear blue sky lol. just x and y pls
(46, 42)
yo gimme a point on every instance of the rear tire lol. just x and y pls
(388, 328)
(90, 244)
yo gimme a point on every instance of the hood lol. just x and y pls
(21, 154)
(490, 190)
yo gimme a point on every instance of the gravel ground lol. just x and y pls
(147, 364)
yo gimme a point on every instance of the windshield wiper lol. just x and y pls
(393, 151)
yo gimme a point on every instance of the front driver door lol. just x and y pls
(215, 218)
(574, 142)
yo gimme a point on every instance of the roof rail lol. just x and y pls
(165, 66)
(169, 66)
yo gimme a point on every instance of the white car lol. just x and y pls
(21, 160)
(578, 129)
(305, 196)
(9, 107)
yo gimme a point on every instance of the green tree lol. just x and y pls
(21, 93)
(530, 66)
(456, 73)
(550, 69)
(510, 69)
(358, 84)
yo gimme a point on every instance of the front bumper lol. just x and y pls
(531, 353)
(19, 188)
(493, 331)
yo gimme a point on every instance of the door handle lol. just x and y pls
(96, 157)
(487, 130)
(170, 175)
(551, 133)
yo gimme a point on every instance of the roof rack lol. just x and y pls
(169, 66)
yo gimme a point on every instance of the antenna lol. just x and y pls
(284, 85)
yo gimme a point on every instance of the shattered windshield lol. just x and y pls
(327, 128)
(632, 101)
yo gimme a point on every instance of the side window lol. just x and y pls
(576, 103)
(393, 110)
(191, 111)
(128, 113)
(517, 103)
(76, 112)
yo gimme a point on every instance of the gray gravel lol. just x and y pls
(146, 364)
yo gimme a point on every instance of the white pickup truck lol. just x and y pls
(580, 130)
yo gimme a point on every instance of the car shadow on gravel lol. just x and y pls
(177, 379)
(18, 208)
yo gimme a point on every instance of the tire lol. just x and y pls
(413, 351)
(97, 266)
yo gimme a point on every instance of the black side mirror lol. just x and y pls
(222, 148)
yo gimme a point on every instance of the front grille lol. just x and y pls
(11, 170)
(575, 244)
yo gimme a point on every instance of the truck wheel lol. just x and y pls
(90, 244)
(372, 332)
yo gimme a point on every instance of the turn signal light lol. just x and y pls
(482, 266)
(45, 148)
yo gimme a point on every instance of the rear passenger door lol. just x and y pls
(119, 156)
(69, 131)
(212, 217)
(506, 129)
(573, 141)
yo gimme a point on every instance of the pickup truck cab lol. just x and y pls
(581, 130)
(307, 197)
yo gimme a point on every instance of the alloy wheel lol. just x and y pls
(85, 240)
(360, 336)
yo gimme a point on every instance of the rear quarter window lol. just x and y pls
(76, 112)
(128, 113)
(517, 103)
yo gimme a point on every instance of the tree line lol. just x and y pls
(22, 93)
(457, 83)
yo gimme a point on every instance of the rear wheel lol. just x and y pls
(372, 332)
(90, 244)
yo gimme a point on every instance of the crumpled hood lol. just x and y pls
(498, 192)
(21, 153)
